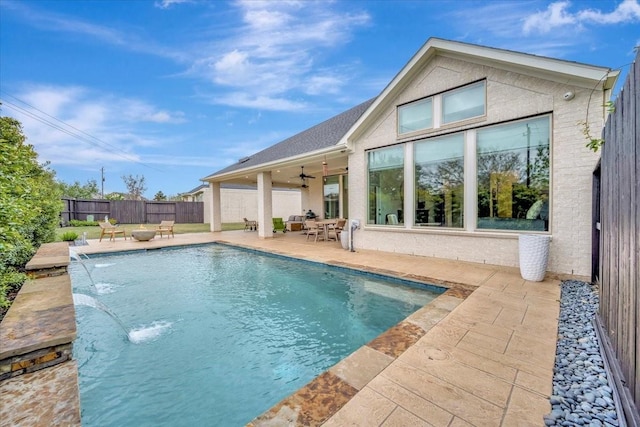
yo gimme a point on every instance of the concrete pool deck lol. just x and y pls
(483, 356)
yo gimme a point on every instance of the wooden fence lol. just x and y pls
(133, 211)
(616, 243)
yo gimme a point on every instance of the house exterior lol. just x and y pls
(241, 201)
(465, 149)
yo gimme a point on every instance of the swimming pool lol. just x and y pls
(220, 334)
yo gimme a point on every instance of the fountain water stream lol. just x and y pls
(89, 301)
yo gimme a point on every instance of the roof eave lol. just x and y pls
(280, 163)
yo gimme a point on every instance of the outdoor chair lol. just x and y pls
(278, 224)
(165, 227)
(107, 229)
(337, 228)
(250, 225)
(313, 229)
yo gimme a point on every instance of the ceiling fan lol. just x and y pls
(303, 177)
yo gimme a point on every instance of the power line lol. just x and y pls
(75, 132)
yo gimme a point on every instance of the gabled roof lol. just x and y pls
(321, 136)
(195, 190)
(567, 72)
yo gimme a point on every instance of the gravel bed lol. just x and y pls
(581, 391)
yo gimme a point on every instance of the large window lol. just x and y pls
(439, 181)
(386, 185)
(415, 116)
(331, 196)
(513, 175)
(463, 103)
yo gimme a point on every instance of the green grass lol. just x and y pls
(93, 232)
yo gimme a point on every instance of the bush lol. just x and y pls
(69, 236)
(113, 221)
(80, 223)
(30, 205)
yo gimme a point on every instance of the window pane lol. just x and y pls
(513, 176)
(439, 175)
(331, 197)
(386, 185)
(463, 103)
(415, 116)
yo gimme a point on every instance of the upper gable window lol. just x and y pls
(415, 116)
(463, 103)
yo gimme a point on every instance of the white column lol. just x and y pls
(215, 210)
(265, 206)
(409, 186)
(470, 182)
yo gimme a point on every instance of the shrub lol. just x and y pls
(113, 221)
(69, 236)
(30, 205)
(80, 223)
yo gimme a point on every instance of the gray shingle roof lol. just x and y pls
(323, 135)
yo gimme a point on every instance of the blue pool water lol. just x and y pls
(219, 334)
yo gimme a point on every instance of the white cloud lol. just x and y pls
(272, 55)
(557, 16)
(165, 4)
(74, 125)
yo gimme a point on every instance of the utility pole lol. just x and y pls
(102, 182)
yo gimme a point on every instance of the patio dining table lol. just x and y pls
(325, 223)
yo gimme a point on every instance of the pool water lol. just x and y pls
(219, 335)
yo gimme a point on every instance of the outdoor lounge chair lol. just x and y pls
(278, 224)
(107, 229)
(165, 227)
(250, 225)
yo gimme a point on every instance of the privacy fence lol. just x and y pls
(133, 211)
(616, 243)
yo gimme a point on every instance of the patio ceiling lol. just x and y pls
(285, 174)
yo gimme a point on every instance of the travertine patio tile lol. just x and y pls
(361, 366)
(441, 364)
(491, 330)
(446, 333)
(367, 408)
(509, 318)
(410, 401)
(403, 418)
(525, 409)
(446, 302)
(480, 340)
(457, 422)
(544, 330)
(531, 349)
(542, 383)
(427, 317)
(452, 399)
(484, 364)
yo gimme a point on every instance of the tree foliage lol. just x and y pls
(30, 205)
(159, 196)
(79, 191)
(135, 185)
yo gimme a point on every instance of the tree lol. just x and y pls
(159, 196)
(78, 191)
(135, 186)
(114, 196)
(30, 206)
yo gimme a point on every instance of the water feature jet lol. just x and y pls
(89, 301)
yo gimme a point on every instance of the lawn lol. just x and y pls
(93, 232)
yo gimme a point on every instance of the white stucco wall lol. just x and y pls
(510, 96)
(243, 203)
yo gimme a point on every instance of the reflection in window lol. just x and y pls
(463, 103)
(415, 116)
(439, 175)
(513, 176)
(331, 197)
(386, 185)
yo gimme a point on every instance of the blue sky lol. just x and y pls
(177, 89)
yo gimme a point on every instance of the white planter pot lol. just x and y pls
(534, 256)
(344, 239)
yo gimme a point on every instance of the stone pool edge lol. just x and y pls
(38, 376)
